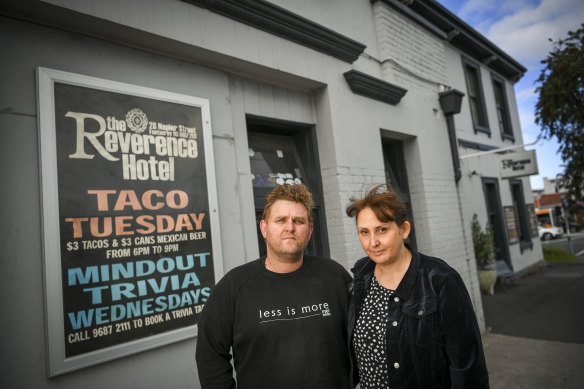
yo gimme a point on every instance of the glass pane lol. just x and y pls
(473, 87)
(517, 192)
(498, 93)
(501, 108)
(274, 161)
(475, 97)
(500, 118)
(474, 110)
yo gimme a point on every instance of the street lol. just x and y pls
(534, 338)
(573, 243)
(546, 305)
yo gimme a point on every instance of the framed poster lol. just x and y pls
(130, 226)
(511, 224)
(532, 219)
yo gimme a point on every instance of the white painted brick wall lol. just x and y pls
(416, 60)
(402, 41)
(339, 185)
(442, 230)
(437, 218)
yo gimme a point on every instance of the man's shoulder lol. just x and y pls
(326, 264)
(240, 274)
(246, 268)
(321, 261)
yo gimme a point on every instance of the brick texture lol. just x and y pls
(403, 44)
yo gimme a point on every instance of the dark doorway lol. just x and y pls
(495, 218)
(521, 215)
(397, 179)
(286, 152)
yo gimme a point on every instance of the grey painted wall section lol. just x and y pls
(230, 97)
(23, 339)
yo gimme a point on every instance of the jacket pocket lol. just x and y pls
(420, 322)
(420, 310)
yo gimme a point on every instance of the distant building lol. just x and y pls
(549, 200)
(552, 185)
(553, 196)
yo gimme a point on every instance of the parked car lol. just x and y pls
(547, 233)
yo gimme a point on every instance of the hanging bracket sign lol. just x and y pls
(519, 164)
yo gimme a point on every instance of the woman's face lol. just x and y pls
(383, 242)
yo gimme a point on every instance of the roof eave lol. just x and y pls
(444, 24)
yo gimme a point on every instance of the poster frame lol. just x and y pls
(57, 362)
(532, 219)
(511, 224)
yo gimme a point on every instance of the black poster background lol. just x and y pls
(152, 292)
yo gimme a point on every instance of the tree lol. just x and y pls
(560, 108)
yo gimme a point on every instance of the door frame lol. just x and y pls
(499, 224)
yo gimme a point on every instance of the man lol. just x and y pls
(283, 317)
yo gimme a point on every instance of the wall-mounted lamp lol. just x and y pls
(450, 102)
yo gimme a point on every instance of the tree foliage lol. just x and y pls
(560, 108)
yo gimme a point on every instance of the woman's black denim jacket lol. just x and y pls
(433, 339)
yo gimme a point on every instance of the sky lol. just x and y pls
(522, 29)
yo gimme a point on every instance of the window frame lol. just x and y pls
(480, 124)
(500, 82)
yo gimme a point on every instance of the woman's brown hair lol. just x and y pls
(383, 202)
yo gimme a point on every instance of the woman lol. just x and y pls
(411, 321)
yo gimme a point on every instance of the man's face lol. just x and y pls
(286, 230)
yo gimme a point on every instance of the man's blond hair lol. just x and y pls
(295, 192)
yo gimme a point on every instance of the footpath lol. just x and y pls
(535, 329)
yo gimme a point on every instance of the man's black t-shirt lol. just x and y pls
(286, 330)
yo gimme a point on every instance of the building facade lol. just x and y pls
(339, 95)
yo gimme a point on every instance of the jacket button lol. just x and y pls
(396, 365)
(394, 324)
(420, 313)
(396, 299)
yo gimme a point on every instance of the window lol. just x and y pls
(283, 152)
(502, 108)
(475, 97)
(521, 215)
(396, 177)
